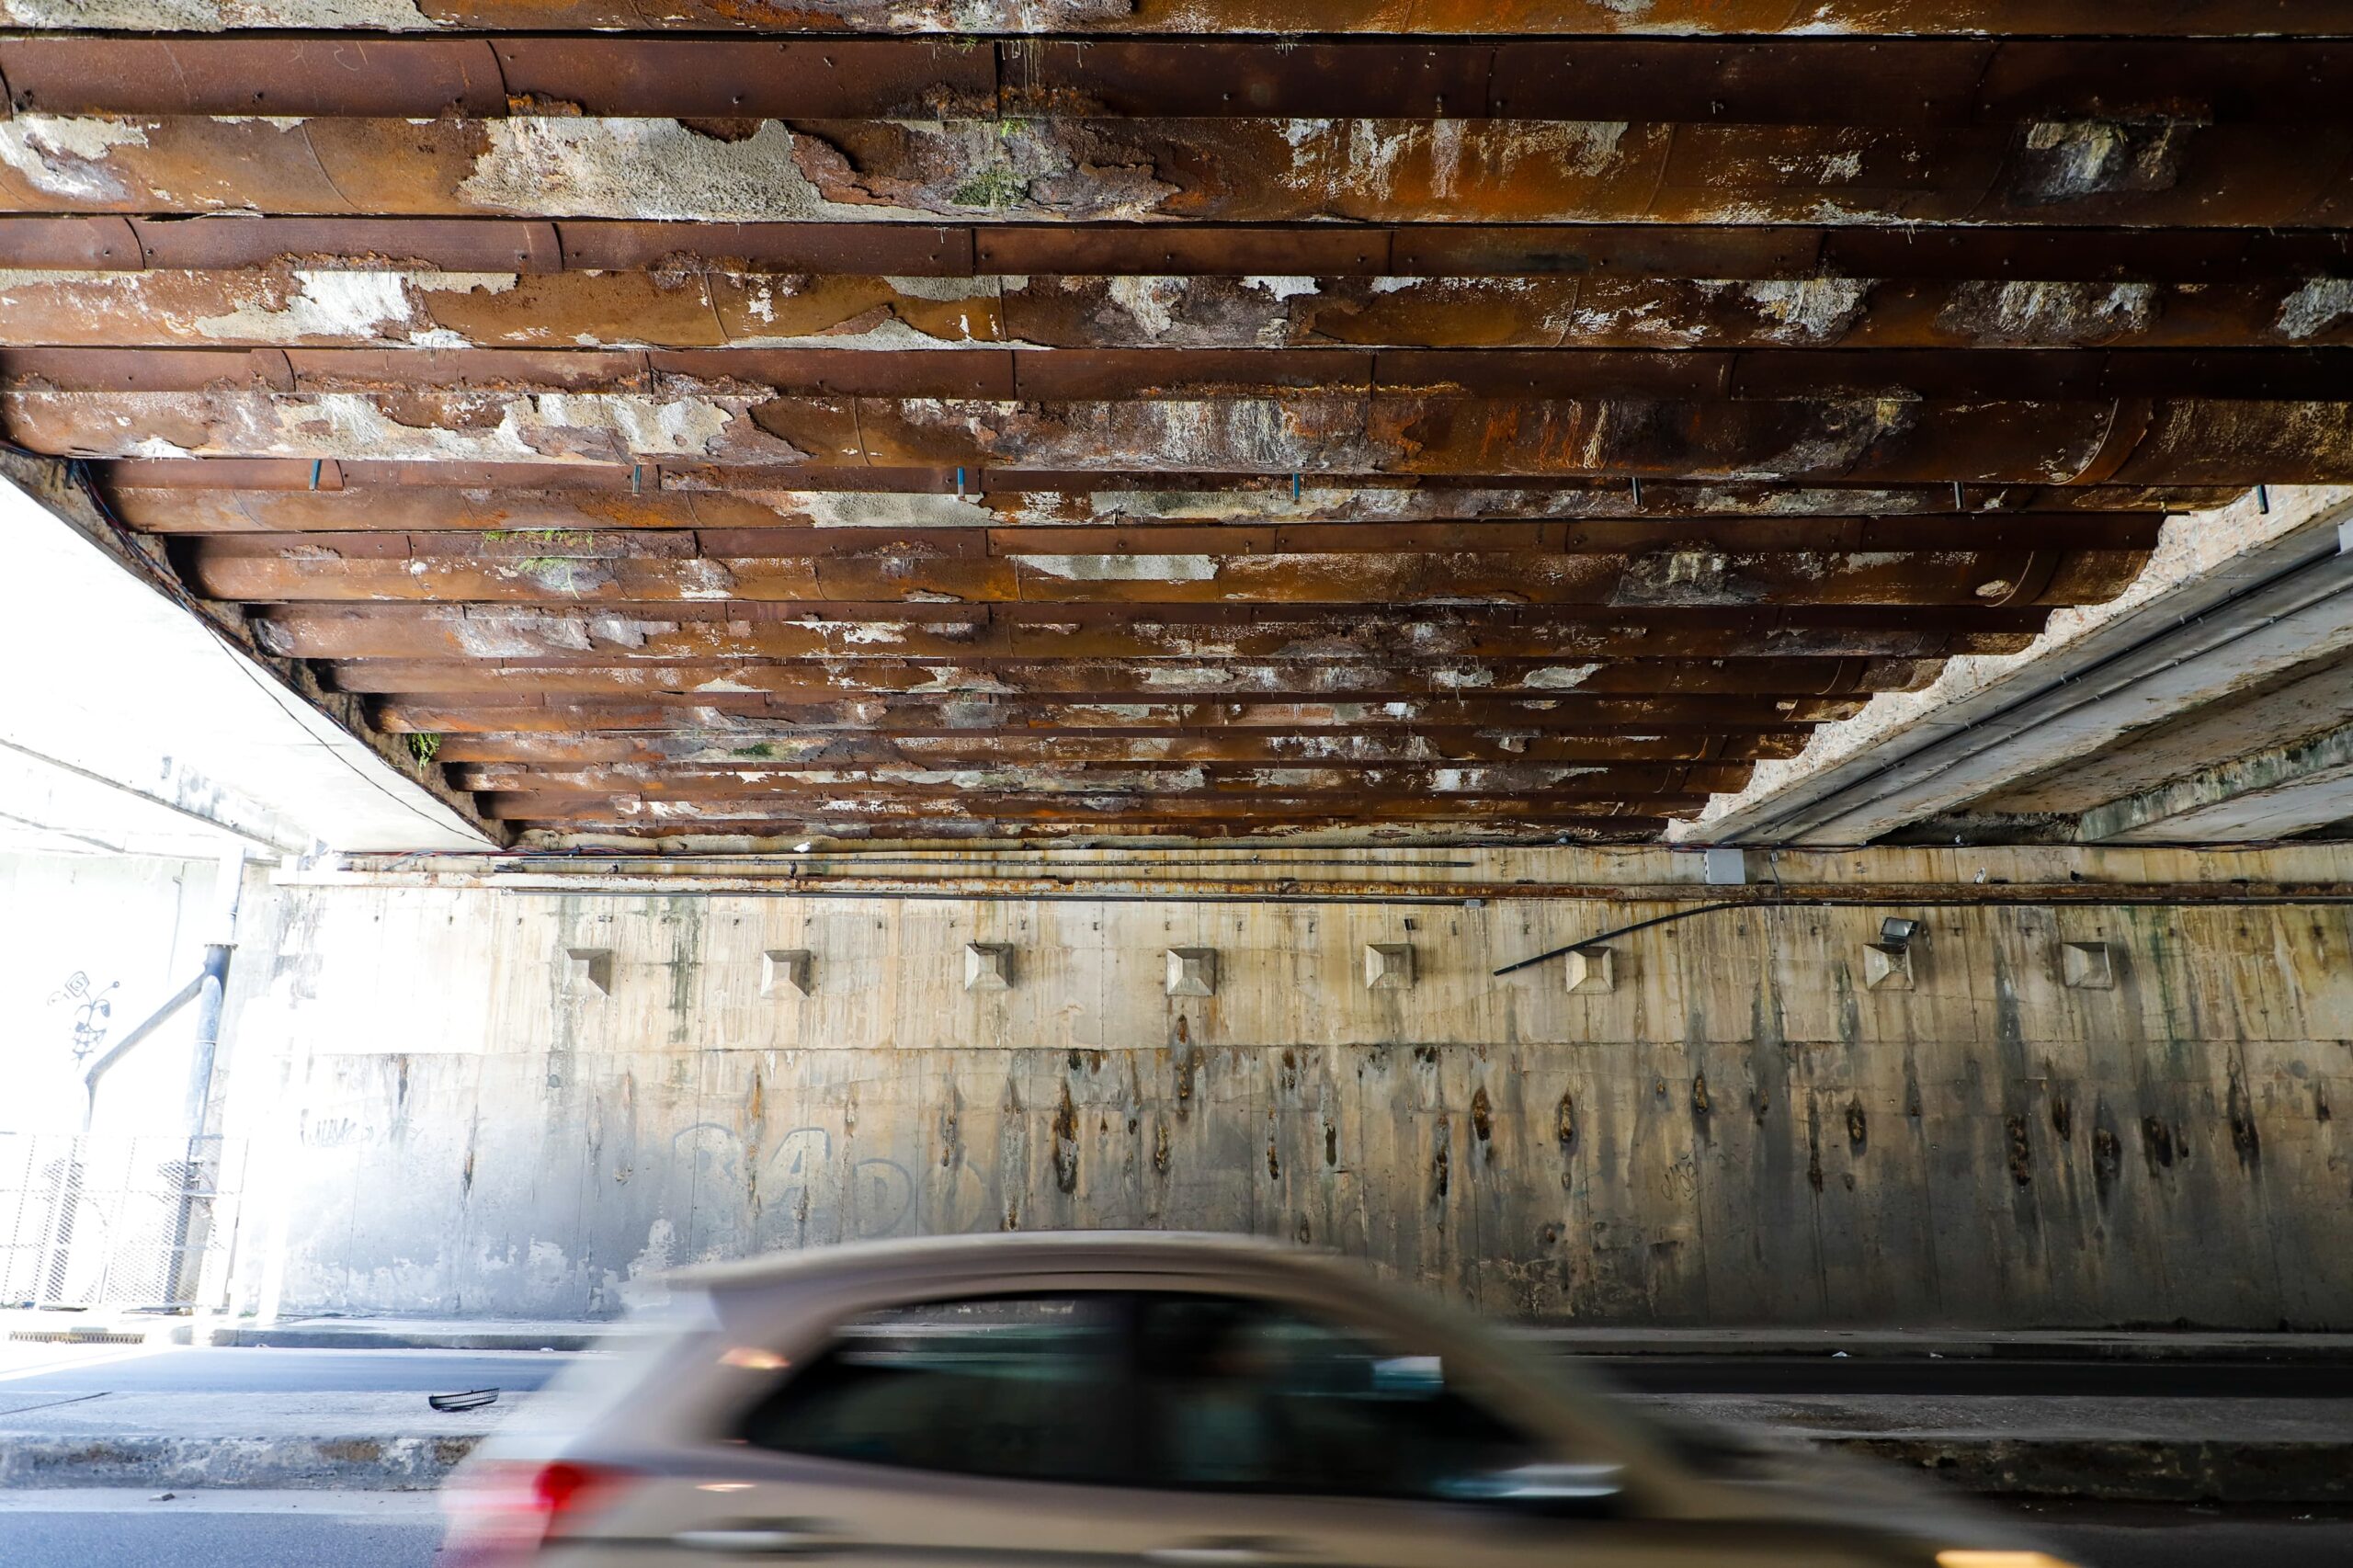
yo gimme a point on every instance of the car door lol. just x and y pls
(948, 1432)
(1273, 1435)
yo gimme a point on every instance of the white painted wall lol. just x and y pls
(133, 929)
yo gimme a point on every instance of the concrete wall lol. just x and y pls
(1741, 1132)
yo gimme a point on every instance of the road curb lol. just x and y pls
(305, 1463)
(2122, 1470)
(2126, 1470)
(324, 1337)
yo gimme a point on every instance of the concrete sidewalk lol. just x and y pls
(2093, 1345)
(2135, 1449)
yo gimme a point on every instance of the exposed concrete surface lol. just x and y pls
(387, 1441)
(156, 701)
(2268, 794)
(1820, 795)
(445, 1125)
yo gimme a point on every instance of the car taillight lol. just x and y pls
(503, 1513)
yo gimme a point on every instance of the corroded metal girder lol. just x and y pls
(756, 781)
(288, 496)
(1272, 18)
(675, 751)
(1605, 536)
(292, 306)
(1885, 81)
(1151, 680)
(1257, 809)
(989, 633)
(756, 715)
(684, 377)
(1363, 169)
(263, 569)
(2172, 440)
(497, 248)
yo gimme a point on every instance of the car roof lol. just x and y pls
(1142, 1251)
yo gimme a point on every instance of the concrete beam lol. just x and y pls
(2276, 793)
(178, 703)
(2217, 627)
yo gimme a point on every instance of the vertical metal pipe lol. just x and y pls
(197, 1180)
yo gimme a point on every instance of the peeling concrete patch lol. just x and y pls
(1281, 288)
(2319, 304)
(1125, 568)
(65, 156)
(1810, 310)
(1560, 677)
(2101, 157)
(646, 168)
(2048, 314)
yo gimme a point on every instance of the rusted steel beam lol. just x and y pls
(257, 569)
(784, 837)
(698, 749)
(757, 716)
(780, 786)
(1617, 536)
(2162, 171)
(1868, 437)
(1080, 376)
(271, 496)
(1905, 81)
(990, 633)
(809, 256)
(805, 680)
(1270, 18)
(1013, 810)
(315, 306)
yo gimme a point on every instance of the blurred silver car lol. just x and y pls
(1108, 1399)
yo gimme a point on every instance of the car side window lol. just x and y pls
(1242, 1394)
(1021, 1389)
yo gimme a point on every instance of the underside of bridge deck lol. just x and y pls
(734, 427)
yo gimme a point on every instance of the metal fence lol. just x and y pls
(120, 1221)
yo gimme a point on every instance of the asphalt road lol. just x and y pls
(107, 1529)
(51, 1371)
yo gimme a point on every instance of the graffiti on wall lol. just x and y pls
(92, 1010)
